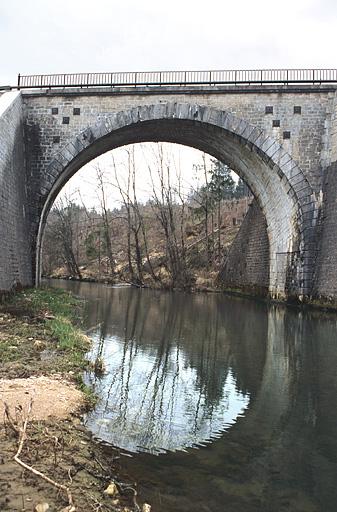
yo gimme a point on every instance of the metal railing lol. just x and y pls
(171, 78)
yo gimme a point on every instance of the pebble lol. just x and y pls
(41, 507)
(111, 490)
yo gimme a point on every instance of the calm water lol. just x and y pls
(224, 404)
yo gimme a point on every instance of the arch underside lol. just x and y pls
(278, 184)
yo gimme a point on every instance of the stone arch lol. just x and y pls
(280, 186)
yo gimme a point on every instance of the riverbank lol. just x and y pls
(204, 285)
(321, 305)
(43, 357)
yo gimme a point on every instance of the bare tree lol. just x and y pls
(101, 192)
(165, 207)
(63, 229)
(129, 200)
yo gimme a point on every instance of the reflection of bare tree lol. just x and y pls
(200, 318)
(170, 357)
(161, 365)
(170, 364)
(127, 355)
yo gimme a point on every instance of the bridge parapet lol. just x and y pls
(169, 78)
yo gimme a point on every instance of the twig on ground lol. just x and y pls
(96, 505)
(22, 431)
(100, 464)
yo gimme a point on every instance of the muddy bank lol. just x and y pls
(43, 355)
(65, 452)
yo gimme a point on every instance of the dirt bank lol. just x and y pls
(52, 397)
(42, 357)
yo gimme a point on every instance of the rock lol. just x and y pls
(111, 490)
(146, 507)
(41, 507)
(40, 344)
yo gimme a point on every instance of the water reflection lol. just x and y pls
(269, 373)
(170, 380)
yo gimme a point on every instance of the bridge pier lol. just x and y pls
(15, 247)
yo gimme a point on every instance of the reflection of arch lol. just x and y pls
(279, 185)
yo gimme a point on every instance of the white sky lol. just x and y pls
(47, 36)
(68, 36)
(83, 187)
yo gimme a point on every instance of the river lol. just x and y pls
(217, 403)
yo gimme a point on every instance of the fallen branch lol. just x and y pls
(22, 431)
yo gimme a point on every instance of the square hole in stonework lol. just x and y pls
(65, 120)
(54, 111)
(269, 110)
(276, 123)
(286, 135)
(56, 139)
(76, 111)
(297, 110)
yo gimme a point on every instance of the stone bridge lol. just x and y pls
(281, 138)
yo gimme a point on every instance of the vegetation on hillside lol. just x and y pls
(177, 238)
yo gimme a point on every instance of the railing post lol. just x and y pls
(19, 77)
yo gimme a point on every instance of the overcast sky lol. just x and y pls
(44, 36)
(68, 36)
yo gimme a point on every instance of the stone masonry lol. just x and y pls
(281, 140)
(246, 267)
(311, 132)
(15, 252)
